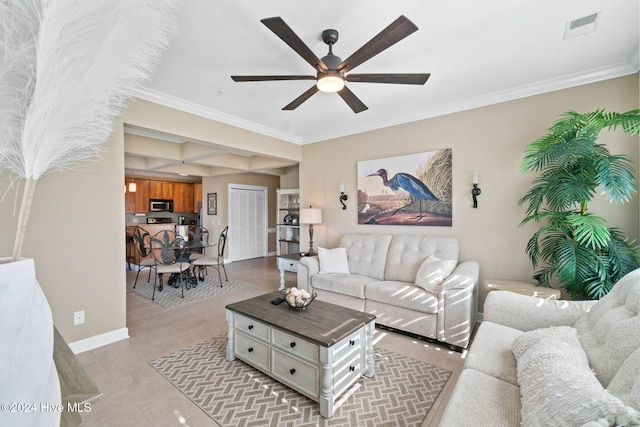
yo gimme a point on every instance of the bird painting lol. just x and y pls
(413, 189)
(408, 183)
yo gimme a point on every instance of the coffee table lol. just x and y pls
(319, 352)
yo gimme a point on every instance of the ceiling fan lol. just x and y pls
(332, 71)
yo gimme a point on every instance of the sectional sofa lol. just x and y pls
(412, 283)
(536, 362)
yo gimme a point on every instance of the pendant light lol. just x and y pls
(132, 184)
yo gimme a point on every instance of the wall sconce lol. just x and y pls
(475, 192)
(343, 197)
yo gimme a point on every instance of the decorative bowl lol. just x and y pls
(300, 303)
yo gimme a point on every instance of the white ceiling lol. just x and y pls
(478, 53)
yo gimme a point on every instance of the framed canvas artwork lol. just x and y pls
(212, 204)
(414, 189)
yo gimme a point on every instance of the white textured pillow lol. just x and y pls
(432, 273)
(557, 386)
(333, 260)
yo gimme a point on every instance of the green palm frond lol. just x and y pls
(615, 174)
(589, 230)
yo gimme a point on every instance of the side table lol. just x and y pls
(522, 288)
(287, 262)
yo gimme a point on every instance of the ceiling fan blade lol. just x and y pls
(352, 100)
(282, 30)
(405, 79)
(396, 31)
(299, 100)
(269, 78)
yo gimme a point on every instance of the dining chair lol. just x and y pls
(200, 264)
(168, 251)
(199, 234)
(142, 242)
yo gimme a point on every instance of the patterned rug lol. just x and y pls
(235, 394)
(170, 296)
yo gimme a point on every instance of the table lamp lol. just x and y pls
(310, 216)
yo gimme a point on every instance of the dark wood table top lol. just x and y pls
(323, 323)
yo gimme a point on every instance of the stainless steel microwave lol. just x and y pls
(160, 205)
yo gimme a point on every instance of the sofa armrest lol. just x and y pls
(458, 304)
(307, 267)
(527, 313)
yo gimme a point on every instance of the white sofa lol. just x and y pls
(381, 279)
(536, 362)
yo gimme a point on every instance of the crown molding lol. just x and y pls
(591, 76)
(208, 113)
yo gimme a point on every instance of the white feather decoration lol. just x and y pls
(68, 69)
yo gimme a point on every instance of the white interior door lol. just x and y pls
(247, 222)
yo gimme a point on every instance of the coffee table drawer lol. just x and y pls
(253, 351)
(252, 327)
(295, 345)
(347, 371)
(295, 373)
(347, 345)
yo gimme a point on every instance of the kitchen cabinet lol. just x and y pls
(197, 197)
(288, 227)
(161, 190)
(137, 201)
(183, 197)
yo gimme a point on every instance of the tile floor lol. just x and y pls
(134, 394)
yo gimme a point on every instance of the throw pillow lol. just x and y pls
(557, 386)
(333, 260)
(432, 273)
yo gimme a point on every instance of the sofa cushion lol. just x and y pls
(367, 253)
(402, 294)
(408, 251)
(610, 331)
(480, 400)
(557, 386)
(333, 260)
(432, 273)
(625, 385)
(491, 351)
(346, 284)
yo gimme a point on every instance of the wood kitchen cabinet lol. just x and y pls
(137, 201)
(197, 196)
(161, 190)
(183, 197)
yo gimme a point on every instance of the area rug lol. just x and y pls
(171, 297)
(235, 394)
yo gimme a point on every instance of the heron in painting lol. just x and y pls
(408, 183)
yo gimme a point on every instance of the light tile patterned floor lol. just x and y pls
(136, 395)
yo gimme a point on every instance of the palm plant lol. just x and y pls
(577, 246)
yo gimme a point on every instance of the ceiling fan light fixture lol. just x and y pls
(330, 82)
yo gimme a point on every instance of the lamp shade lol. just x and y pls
(310, 216)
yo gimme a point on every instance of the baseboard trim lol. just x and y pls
(99, 340)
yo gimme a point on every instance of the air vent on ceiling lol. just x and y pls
(580, 26)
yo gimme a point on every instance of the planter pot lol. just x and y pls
(29, 385)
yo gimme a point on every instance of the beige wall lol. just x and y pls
(491, 140)
(76, 237)
(76, 231)
(220, 185)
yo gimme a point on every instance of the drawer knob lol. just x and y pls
(352, 368)
(292, 371)
(250, 327)
(352, 342)
(250, 349)
(293, 344)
